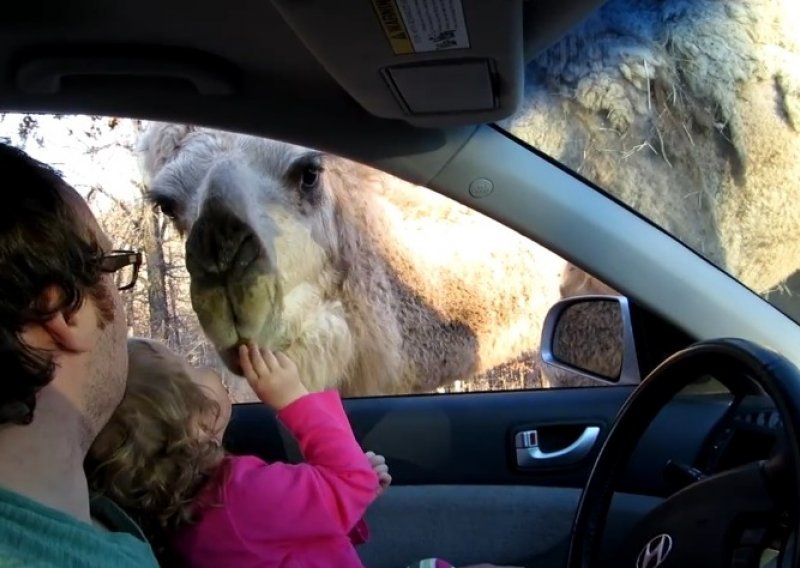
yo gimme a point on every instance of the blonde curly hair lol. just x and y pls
(152, 458)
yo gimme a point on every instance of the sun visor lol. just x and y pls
(444, 87)
(432, 63)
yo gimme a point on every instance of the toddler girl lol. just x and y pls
(160, 457)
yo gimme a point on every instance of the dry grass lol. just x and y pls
(524, 373)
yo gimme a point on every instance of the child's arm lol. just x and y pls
(360, 532)
(325, 496)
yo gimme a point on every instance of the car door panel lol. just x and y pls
(467, 524)
(463, 439)
(458, 491)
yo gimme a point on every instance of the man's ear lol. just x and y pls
(72, 331)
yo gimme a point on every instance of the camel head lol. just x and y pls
(576, 282)
(258, 218)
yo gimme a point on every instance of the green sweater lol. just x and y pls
(33, 535)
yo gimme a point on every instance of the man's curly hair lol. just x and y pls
(149, 458)
(44, 243)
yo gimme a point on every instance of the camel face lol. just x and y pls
(576, 282)
(256, 214)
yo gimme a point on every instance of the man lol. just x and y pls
(63, 367)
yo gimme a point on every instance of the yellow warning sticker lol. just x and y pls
(393, 26)
(418, 26)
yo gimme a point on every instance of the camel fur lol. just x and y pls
(686, 110)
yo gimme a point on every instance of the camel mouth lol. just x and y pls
(230, 357)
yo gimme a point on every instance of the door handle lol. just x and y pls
(529, 454)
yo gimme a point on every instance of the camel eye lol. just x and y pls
(168, 207)
(309, 179)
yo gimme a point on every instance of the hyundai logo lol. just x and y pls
(655, 552)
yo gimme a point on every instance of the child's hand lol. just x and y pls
(378, 463)
(272, 376)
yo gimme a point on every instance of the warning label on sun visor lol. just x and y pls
(419, 26)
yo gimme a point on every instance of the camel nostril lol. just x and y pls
(219, 244)
(248, 252)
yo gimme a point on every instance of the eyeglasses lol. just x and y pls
(124, 264)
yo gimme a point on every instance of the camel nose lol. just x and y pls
(220, 245)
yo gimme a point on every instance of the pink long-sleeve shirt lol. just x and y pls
(277, 514)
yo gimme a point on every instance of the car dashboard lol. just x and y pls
(751, 430)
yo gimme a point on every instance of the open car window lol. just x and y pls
(462, 300)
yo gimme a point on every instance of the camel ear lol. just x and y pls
(159, 145)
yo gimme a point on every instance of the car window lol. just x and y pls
(688, 115)
(470, 293)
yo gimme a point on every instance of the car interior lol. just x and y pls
(715, 470)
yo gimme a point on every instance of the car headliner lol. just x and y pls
(273, 84)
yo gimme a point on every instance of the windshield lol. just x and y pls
(688, 113)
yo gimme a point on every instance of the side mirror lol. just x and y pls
(589, 339)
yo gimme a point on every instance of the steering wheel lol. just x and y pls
(714, 522)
